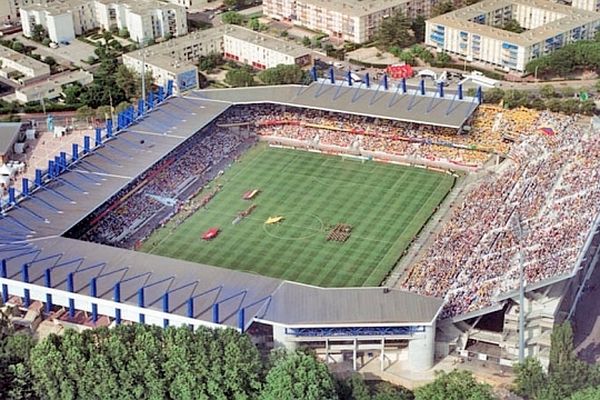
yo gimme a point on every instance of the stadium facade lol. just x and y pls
(37, 263)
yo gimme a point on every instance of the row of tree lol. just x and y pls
(566, 103)
(567, 376)
(282, 74)
(583, 54)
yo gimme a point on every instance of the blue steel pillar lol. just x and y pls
(94, 312)
(367, 80)
(215, 313)
(25, 187)
(460, 91)
(38, 177)
(241, 317)
(169, 88)
(385, 82)
(98, 136)
(479, 95)
(313, 73)
(403, 85)
(349, 78)
(422, 87)
(441, 89)
(331, 75)
(118, 316)
(75, 152)
(86, 145)
(109, 128)
(190, 307)
(12, 199)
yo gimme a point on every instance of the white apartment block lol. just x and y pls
(589, 5)
(144, 19)
(52, 87)
(474, 33)
(20, 68)
(352, 20)
(9, 9)
(175, 59)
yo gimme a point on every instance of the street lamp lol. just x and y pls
(517, 228)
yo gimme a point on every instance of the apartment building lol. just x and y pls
(475, 33)
(144, 19)
(351, 20)
(175, 59)
(20, 68)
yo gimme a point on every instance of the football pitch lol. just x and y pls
(386, 205)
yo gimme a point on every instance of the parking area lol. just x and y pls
(72, 53)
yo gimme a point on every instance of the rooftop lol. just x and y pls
(356, 8)
(9, 132)
(56, 81)
(571, 18)
(266, 41)
(38, 67)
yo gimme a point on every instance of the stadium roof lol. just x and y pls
(271, 300)
(391, 104)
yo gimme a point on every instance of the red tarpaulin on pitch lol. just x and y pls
(548, 131)
(399, 71)
(210, 234)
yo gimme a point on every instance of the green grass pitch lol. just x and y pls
(386, 205)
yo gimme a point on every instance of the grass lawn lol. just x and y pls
(386, 205)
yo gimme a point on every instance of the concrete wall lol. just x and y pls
(421, 349)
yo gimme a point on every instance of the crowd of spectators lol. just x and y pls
(553, 185)
(160, 186)
(491, 132)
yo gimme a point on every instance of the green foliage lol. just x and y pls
(514, 98)
(395, 31)
(299, 376)
(442, 8)
(46, 42)
(591, 393)
(38, 33)
(210, 61)
(233, 4)
(18, 46)
(548, 91)
(387, 391)
(442, 58)
(85, 113)
(418, 28)
(455, 385)
(124, 33)
(283, 74)
(239, 78)
(147, 362)
(254, 24)
(130, 82)
(306, 41)
(512, 25)
(584, 54)
(530, 378)
(50, 61)
(493, 95)
(232, 17)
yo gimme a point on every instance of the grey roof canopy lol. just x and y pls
(62, 203)
(9, 132)
(391, 104)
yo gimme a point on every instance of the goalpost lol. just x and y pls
(352, 157)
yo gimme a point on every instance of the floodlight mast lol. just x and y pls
(517, 228)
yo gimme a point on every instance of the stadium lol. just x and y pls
(363, 220)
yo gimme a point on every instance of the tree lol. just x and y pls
(442, 58)
(547, 91)
(233, 4)
(394, 31)
(18, 46)
(455, 385)
(493, 95)
(283, 74)
(512, 25)
(298, 376)
(232, 17)
(103, 112)
(239, 78)
(122, 106)
(84, 113)
(130, 82)
(530, 378)
(46, 42)
(254, 24)
(592, 393)
(50, 61)
(387, 391)
(442, 8)
(567, 91)
(306, 41)
(514, 98)
(418, 28)
(38, 33)
(210, 61)
(597, 85)
(124, 33)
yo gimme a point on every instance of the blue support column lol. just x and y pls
(479, 95)
(48, 277)
(57, 166)
(151, 100)
(25, 273)
(140, 110)
(403, 85)
(3, 269)
(241, 317)
(72, 308)
(161, 94)
(165, 323)
(11, 196)
(94, 312)
(215, 313)
(70, 282)
(331, 75)
(385, 82)
(142, 319)
(50, 169)
(166, 302)
(75, 152)
(63, 159)
(118, 316)
(141, 300)
(117, 292)
(26, 298)
(169, 88)
(25, 187)
(367, 80)
(38, 177)
(4, 293)
(313, 73)
(109, 128)
(349, 78)
(86, 145)
(98, 136)
(441, 89)
(49, 304)
(422, 87)
(190, 307)
(460, 91)
(93, 287)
